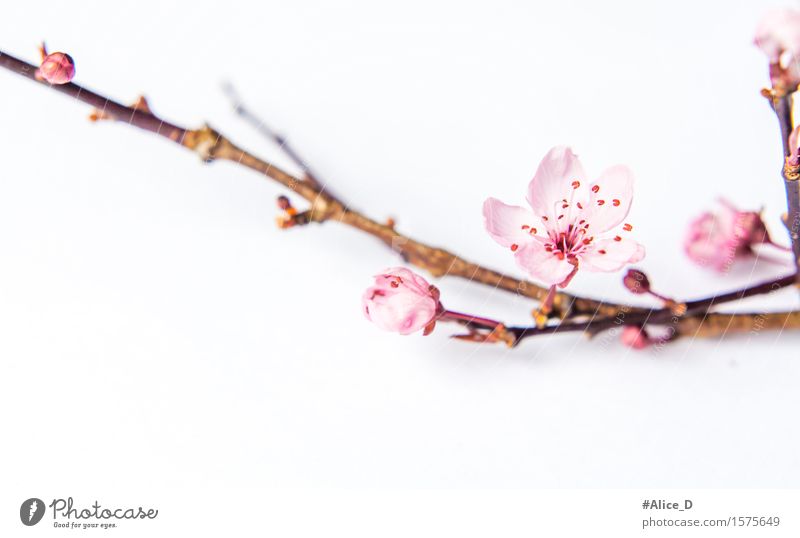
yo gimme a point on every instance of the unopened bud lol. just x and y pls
(284, 203)
(57, 68)
(635, 337)
(636, 281)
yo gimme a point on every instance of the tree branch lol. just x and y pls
(677, 317)
(211, 145)
(691, 316)
(782, 105)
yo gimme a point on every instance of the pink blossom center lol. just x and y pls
(569, 236)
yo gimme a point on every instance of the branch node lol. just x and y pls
(207, 143)
(290, 216)
(677, 309)
(142, 105)
(496, 335)
(791, 172)
(100, 115)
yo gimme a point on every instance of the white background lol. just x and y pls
(159, 334)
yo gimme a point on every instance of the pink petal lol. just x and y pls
(611, 255)
(404, 313)
(542, 265)
(411, 280)
(612, 201)
(710, 239)
(639, 255)
(553, 182)
(505, 223)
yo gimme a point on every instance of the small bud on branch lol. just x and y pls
(56, 67)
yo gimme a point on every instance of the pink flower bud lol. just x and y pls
(718, 239)
(284, 203)
(636, 281)
(635, 337)
(57, 68)
(401, 301)
(794, 147)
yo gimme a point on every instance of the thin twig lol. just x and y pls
(269, 133)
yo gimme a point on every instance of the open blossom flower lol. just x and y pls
(718, 239)
(401, 301)
(778, 36)
(570, 221)
(57, 68)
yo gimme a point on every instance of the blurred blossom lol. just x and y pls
(718, 239)
(778, 36)
(635, 337)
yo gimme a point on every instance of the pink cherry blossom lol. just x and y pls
(57, 68)
(718, 239)
(570, 221)
(778, 36)
(401, 301)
